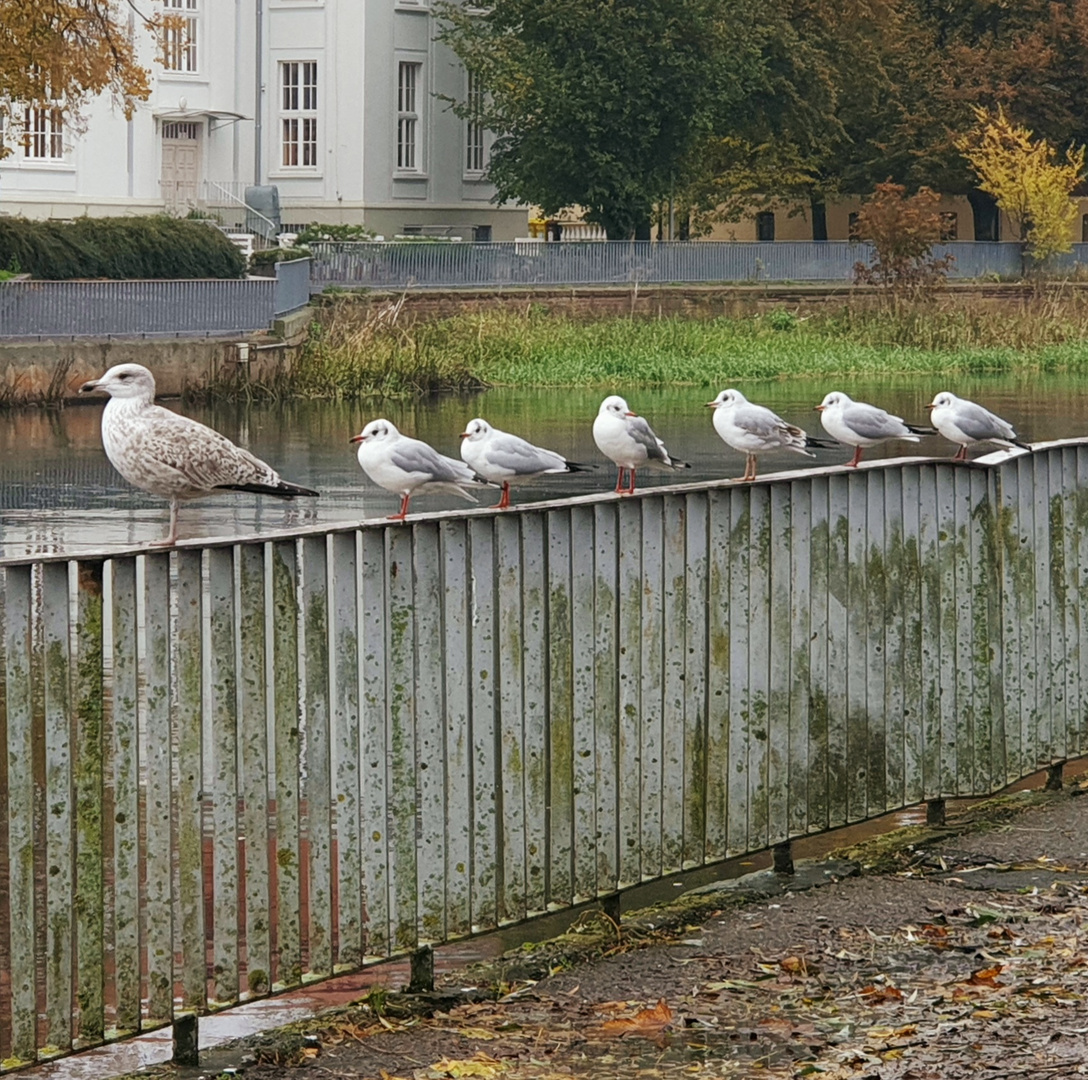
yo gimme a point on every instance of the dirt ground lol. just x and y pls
(962, 955)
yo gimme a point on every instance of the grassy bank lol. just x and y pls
(355, 352)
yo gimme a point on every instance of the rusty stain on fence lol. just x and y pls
(249, 763)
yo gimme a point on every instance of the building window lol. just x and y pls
(1084, 229)
(43, 134)
(408, 80)
(949, 225)
(179, 36)
(765, 225)
(852, 225)
(298, 82)
(474, 129)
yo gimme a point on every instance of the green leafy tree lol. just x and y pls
(601, 103)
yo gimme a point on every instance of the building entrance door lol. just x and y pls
(180, 166)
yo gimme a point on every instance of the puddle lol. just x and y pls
(155, 1048)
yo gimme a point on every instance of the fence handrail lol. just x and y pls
(984, 462)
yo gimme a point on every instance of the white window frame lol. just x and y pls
(43, 130)
(299, 126)
(475, 157)
(410, 117)
(181, 45)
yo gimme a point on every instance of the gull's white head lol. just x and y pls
(614, 406)
(835, 399)
(124, 381)
(476, 430)
(727, 399)
(942, 401)
(376, 431)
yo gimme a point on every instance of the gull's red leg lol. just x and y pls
(403, 513)
(631, 489)
(961, 454)
(619, 479)
(504, 501)
(857, 457)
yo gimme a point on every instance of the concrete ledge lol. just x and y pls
(294, 324)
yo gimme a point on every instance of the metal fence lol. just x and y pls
(44, 309)
(292, 286)
(397, 265)
(234, 767)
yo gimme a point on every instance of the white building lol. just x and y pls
(336, 103)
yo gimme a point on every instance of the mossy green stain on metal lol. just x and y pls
(87, 776)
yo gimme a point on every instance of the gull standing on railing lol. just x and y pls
(628, 440)
(171, 455)
(501, 457)
(859, 425)
(754, 429)
(408, 466)
(968, 424)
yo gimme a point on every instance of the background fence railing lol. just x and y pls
(375, 265)
(43, 309)
(233, 767)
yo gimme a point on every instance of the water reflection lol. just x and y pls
(58, 492)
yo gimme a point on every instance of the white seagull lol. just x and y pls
(859, 425)
(171, 455)
(628, 440)
(408, 466)
(500, 457)
(966, 423)
(754, 429)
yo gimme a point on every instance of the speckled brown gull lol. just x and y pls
(171, 455)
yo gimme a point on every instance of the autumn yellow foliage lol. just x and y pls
(63, 51)
(1028, 178)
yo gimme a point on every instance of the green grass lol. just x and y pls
(351, 355)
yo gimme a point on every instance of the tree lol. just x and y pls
(902, 231)
(1028, 179)
(59, 53)
(599, 103)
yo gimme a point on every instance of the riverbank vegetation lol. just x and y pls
(358, 351)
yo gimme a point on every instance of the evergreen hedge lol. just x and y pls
(118, 247)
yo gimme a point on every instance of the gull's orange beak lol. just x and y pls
(711, 405)
(630, 414)
(931, 406)
(464, 434)
(356, 438)
(820, 408)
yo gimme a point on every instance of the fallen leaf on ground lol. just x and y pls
(986, 976)
(481, 1065)
(878, 994)
(648, 1023)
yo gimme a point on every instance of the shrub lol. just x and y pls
(260, 260)
(119, 248)
(315, 233)
(902, 231)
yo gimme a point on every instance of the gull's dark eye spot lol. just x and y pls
(125, 375)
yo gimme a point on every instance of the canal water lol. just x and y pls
(59, 493)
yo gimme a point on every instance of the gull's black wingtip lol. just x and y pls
(283, 490)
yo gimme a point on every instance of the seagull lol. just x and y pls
(753, 429)
(628, 440)
(171, 455)
(500, 457)
(966, 423)
(859, 425)
(406, 466)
